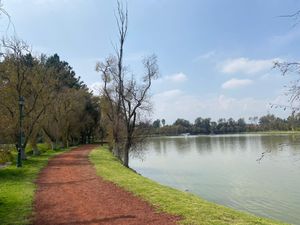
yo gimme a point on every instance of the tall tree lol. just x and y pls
(23, 75)
(127, 98)
(156, 123)
(163, 121)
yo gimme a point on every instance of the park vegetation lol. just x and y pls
(61, 111)
(59, 108)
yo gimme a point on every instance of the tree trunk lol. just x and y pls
(65, 141)
(116, 151)
(126, 153)
(23, 154)
(35, 149)
(126, 158)
(55, 144)
(34, 146)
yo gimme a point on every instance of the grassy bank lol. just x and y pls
(17, 188)
(193, 209)
(275, 132)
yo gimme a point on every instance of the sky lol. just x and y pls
(215, 57)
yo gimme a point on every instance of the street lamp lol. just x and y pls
(20, 139)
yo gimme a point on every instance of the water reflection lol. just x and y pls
(224, 169)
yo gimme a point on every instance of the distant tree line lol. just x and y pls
(225, 126)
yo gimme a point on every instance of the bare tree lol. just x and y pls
(126, 97)
(293, 90)
(285, 67)
(111, 91)
(135, 100)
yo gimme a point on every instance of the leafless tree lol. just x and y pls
(135, 100)
(285, 67)
(127, 98)
(293, 89)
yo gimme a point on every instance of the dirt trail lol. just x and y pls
(70, 192)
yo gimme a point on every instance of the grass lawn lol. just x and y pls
(17, 188)
(296, 132)
(193, 209)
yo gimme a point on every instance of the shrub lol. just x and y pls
(6, 153)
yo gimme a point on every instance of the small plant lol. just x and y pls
(5, 153)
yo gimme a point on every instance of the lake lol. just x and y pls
(225, 169)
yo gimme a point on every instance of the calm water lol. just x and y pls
(224, 169)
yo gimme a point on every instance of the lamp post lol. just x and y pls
(20, 139)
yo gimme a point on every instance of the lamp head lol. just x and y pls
(21, 101)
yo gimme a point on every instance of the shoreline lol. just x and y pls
(275, 132)
(192, 208)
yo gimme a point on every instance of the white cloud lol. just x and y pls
(206, 55)
(96, 87)
(176, 78)
(173, 104)
(240, 108)
(236, 83)
(247, 66)
(170, 94)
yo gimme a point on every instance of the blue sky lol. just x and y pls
(215, 57)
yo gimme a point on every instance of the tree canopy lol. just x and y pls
(58, 108)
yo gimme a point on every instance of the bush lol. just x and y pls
(6, 153)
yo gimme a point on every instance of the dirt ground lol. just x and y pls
(70, 192)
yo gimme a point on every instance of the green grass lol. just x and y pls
(274, 132)
(191, 208)
(17, 189)
(8, 152)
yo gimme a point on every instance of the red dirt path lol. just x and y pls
(70, 192)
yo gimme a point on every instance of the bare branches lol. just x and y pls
(286, 67)
(126, 97)
(290, 67)
(122, 22)
(14, 47)
(5, 13)
(293, 90)
(295, 16)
